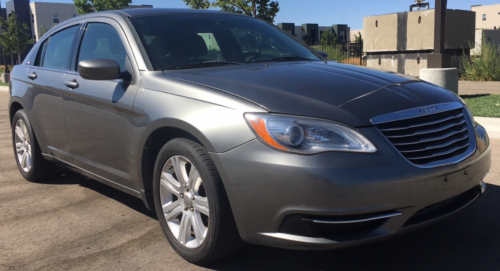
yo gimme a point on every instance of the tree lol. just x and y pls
(262, 9)
(14, 37)
(328, 37)
(358, 38)
(42, 30)
(89, 6)
(197, 4)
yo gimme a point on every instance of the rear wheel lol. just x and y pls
(191, 203)
(30, 162)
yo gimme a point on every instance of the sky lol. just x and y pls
(325, 12)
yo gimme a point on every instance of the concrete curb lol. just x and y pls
(492, 125)
(2, 88)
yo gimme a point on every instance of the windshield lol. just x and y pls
(198, 40)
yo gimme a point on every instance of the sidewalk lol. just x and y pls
(2, 88)
(471, 88)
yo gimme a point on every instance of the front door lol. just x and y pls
(99, 114)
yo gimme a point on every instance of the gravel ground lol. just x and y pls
(75, 223)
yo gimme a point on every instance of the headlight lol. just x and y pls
(307, 136)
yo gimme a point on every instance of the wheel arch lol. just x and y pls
(14, 107)
(152, 145)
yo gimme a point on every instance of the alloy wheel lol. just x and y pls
(23, 146)
(184, 201)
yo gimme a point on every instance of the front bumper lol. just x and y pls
(277, 198)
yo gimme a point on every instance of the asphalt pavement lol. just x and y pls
(75, 223)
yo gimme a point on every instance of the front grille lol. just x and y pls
(431, 138)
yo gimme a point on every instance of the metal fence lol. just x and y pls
(349, 53)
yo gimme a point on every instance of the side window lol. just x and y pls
(58, 49)
(101, 41)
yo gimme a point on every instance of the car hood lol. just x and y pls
(339, 92)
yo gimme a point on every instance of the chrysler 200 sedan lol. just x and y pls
(234, 132)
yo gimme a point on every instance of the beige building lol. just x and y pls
(401, 42)
(49, 15)
(487, 17)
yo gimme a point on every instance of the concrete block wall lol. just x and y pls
(400, 42)
(381, 33)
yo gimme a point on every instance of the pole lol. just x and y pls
(439, 30)
(439, 59)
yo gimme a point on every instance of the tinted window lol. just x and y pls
(177, 40)
(39, 54)
(101, 41)
(58, 49)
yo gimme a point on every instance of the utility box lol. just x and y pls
(401, 42)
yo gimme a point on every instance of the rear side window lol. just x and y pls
(58, 49)
(101, 41)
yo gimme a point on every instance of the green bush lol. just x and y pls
(484, 67)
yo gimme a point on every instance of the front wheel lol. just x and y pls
(191, 203)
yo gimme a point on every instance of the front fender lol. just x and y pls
(213, 117)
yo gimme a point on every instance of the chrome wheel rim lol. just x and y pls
(23, 146)
(184, 201)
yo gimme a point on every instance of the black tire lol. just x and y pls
(40, 168)
(222, 236)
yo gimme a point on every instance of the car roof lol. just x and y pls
(136, 12)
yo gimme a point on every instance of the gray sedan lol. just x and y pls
(234, 132)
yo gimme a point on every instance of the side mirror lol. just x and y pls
(99, 69)
(323, 54)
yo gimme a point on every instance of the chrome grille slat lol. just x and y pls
(440, 129)
(430, 138)
(422, 124)
(441, 153)
(437, 146)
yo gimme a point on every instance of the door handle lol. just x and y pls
(72, 84)
(32, 76)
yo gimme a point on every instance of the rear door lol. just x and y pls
(99, 114)
(46, 79)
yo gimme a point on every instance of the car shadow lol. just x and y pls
(64, 176)
(469, 240)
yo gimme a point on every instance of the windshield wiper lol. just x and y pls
(211, 63)
(290, 58)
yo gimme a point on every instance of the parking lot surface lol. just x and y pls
(75, 223)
